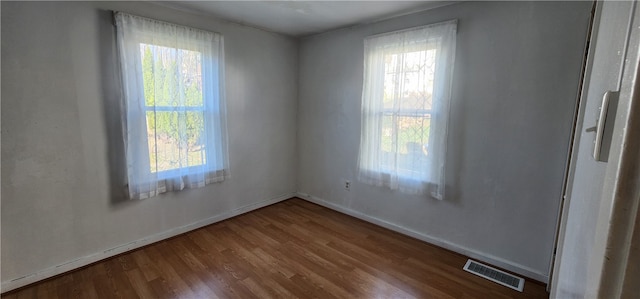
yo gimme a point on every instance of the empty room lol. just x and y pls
(320, 149)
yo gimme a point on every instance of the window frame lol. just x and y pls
(147, 39)
(404, 112)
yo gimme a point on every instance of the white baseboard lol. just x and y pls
(15, 283)
(487, 258)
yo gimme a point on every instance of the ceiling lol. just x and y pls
(302, 18)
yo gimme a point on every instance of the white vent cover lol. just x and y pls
(495, 275)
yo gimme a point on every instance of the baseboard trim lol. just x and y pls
(16, 283)
(487, 258)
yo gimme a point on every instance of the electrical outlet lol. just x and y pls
(347, 185)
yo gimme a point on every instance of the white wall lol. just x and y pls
(61, 144)
(515, 87)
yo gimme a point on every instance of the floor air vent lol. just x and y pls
(495, 275)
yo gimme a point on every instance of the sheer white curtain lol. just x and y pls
(405, 107)
(174, 109)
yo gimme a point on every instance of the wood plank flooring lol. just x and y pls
(292, 249)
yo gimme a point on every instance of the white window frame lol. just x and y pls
(413, 113)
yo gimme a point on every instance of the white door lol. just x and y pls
(578, 241)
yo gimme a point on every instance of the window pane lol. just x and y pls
(388, 146)
(171, 77)
(388, 135)
(413, 134)
(390, 88)
(405, 141)
(408, 81)
(196, 139)
(192, 77)
(392, 76)
(176, 139)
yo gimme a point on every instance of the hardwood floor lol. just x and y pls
(292, 249)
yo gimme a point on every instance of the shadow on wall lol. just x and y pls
(112, 110)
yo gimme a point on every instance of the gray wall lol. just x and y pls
(515, 86)
(516, 79)
(61, 144)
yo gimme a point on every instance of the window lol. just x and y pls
(405, 105)
(173, 99)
